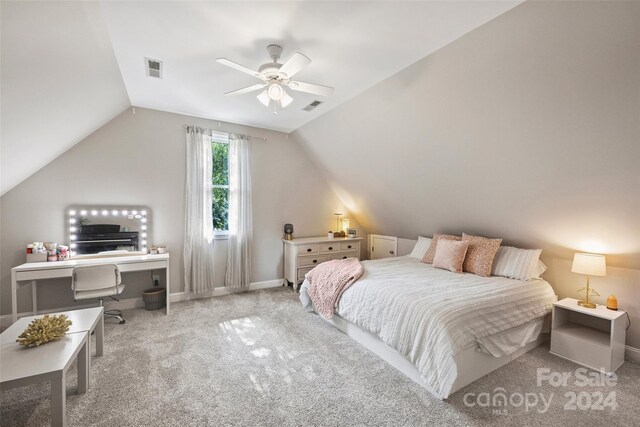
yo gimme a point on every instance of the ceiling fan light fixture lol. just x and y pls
(275, 91)
(275, 78)
(264, 98)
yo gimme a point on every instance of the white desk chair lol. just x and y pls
(97, 282)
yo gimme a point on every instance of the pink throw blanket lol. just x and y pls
(329, 280)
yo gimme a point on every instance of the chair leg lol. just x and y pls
(113, 313)
(116, 314)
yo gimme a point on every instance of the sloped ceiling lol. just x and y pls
(352, 44)
(60, 81)
(526, 128)
(69, 67)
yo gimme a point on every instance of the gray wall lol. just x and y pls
(139, 159)
(527, 128)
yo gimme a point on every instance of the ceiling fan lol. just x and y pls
(275, 77)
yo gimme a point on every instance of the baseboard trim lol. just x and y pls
(633, 353)
(222, 291)
(128, 303)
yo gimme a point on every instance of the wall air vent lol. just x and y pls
(154, 68)
(313, 105)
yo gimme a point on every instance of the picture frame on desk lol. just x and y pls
(352, 232)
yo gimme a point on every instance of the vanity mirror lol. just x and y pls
(108, 230)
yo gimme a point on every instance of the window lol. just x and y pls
(220, 181)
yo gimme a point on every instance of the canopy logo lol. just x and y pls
(499, 400)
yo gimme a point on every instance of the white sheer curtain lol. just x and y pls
(198, 236)
(240, 213)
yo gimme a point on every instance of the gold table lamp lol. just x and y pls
(591, 265)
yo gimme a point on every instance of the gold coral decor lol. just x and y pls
(44, 329)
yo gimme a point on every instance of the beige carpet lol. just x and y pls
(259, 359)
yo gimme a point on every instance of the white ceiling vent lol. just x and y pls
(313, 105)
(154, 67)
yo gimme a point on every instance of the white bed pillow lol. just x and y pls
(520, 264)
(541, 267)
(420, 249)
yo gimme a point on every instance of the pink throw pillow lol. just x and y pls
(480, 254)
(431, 252)
(450, 255)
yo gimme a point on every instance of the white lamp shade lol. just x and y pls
(591, 264)
(275, 91)
(264, 98)
(286, 99)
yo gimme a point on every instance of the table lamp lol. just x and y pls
(338, 215)
(345, 224)
(591, 265)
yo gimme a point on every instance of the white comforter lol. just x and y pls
(429, 315)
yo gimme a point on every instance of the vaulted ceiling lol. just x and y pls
(526, 128)
(60, 82)
(69, 67)
(352, 45)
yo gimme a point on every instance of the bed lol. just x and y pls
(444, 330)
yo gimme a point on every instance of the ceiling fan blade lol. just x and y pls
(296, 63)
(311, 88)
(242, 68)
(246, 89)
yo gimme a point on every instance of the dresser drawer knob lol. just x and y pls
(309, 250)
(344, 257)
(330, 248)
(315, 261)
(349, 247)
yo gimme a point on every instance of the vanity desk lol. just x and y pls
(34, 271)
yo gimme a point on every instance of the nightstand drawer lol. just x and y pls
(348, 246)
(327, 248)
(307, 249)
(311, 261)
(303, 271)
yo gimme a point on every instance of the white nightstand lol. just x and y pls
(592, 337)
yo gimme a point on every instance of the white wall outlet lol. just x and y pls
(156, 279)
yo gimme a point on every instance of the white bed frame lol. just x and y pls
(472, 364)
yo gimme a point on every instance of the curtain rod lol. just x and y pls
(262, 138)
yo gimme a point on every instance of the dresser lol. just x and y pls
(303, 254)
